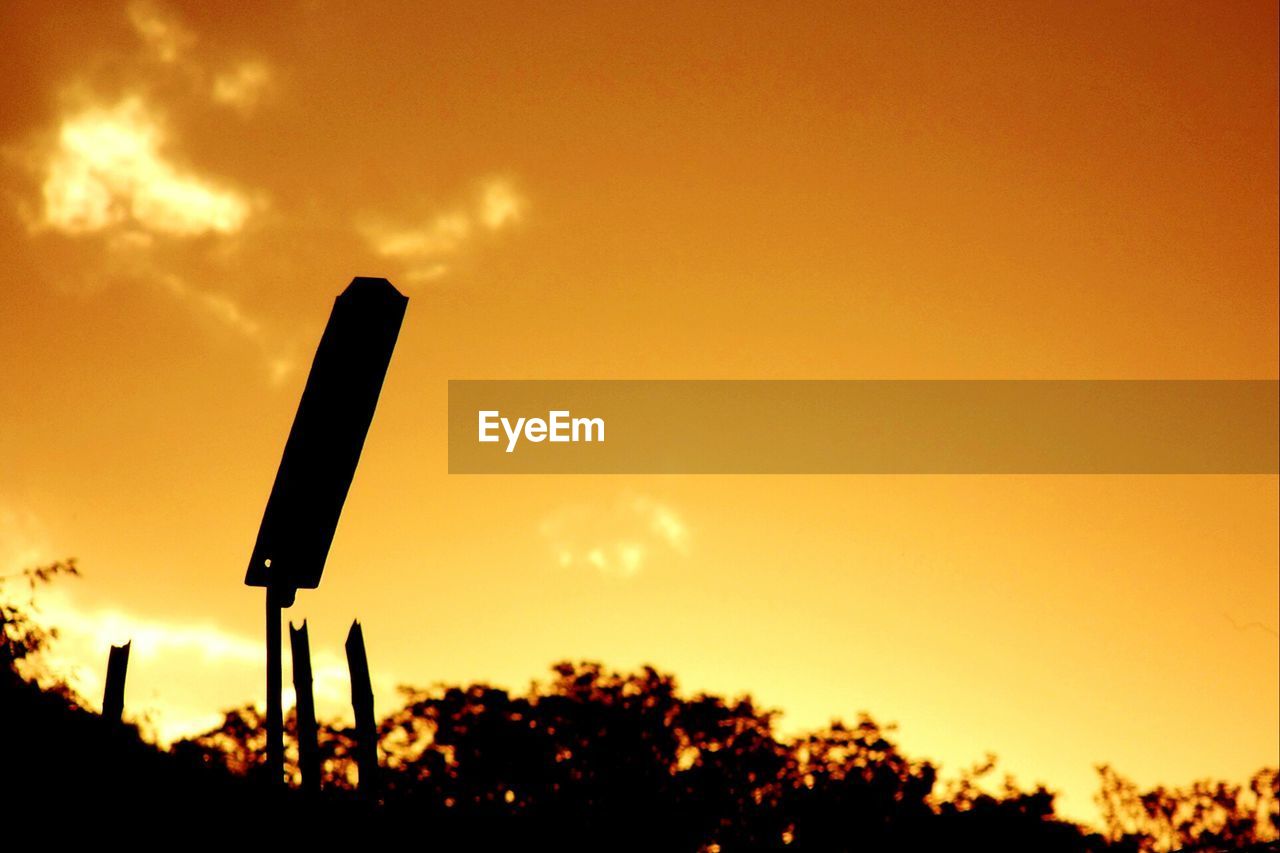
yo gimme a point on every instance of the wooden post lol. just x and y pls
(113, 696)
(362, 704)
(308, 736)
(275, 717)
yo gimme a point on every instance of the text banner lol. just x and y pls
(864, 427)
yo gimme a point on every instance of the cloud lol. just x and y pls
(167, 40)
(426, 249)
(224, 309)
(278, 359)
(663, 522)
(163, 34)
(243, 86)
(442, 235)
(618, 540)
(279, 368)
(110, 165)
(23, 540)
(108, 175)
(500, 205)
(108, 169)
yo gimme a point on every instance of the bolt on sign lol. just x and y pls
(328, 433)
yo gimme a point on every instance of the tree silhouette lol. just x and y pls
(1206, 815)
(597, 759)
(22, 638)
(591, 759)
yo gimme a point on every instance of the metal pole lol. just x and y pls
(275, 716)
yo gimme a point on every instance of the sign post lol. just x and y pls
(275, 714)
(318, 464)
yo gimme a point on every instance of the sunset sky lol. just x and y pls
(587, 191)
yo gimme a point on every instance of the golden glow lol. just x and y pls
(688, 190)
(198, 656)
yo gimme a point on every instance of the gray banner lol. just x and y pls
(864, 427)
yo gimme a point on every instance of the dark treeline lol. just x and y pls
(602, 759)
(591, 759)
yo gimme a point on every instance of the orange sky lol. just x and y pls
(1019, 190)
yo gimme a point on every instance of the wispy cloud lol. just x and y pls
(279, 360)
(221, 308)
(166, 39)
(109, 168)
(500, 205)
(164, 35)
(23, 539)
(617, 540)
(243, 86)
(112, 169)
(441, 236)
(426, 249)
(109, 174)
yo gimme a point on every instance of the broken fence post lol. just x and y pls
(362, 705)
(308, 735)
(113, 696)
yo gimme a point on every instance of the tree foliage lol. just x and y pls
(593, 753)
(23, 639)
(1206, 815)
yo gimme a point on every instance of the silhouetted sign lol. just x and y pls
(328, 434)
